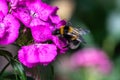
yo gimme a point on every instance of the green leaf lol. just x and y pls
(7, 56)
(8, 76)
(18, 68)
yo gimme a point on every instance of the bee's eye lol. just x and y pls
(66, 31)
(55, 32)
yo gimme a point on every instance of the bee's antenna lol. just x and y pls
(68, 23)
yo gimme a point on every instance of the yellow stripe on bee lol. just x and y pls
(74, 38)
(70, 29)
(62, 30)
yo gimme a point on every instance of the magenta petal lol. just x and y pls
(41, 33)
(2, 29)
(47, 53)
(37, 54)
(1, 16)
(61, 23)
(44, 10)
(37, 22)
(13, 3)
(3, 7)
(55, 19)
(92, 57)
(28, 55)
(11, 30)
(23, 14)
(60, 43)
(22, 56)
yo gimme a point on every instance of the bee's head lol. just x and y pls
(68, 24)
(56, 32)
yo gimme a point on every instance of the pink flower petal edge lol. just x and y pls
(11, 31)
(35, 54)
(92, 57)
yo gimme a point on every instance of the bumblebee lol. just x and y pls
(72, 35)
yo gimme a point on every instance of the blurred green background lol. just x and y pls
(102, 18)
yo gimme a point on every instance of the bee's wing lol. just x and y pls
(74, 44)
(81, 39)
(70, 34)
(81, 31)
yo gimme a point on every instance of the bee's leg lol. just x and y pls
(74, 38)
(81, 40)
(67, 44)
(74, 44)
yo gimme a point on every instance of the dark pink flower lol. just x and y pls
(44, 10)
(9, 30)
(92, 57)
(30, 11)
(32, 55)
(40, 17)
(9, 26)
(42, 20)
(43, 34)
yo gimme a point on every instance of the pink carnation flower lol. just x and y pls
(32, 55)
(36, 15)
(27, 11)
(42, 20)
(92, 57)
(9, 26)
